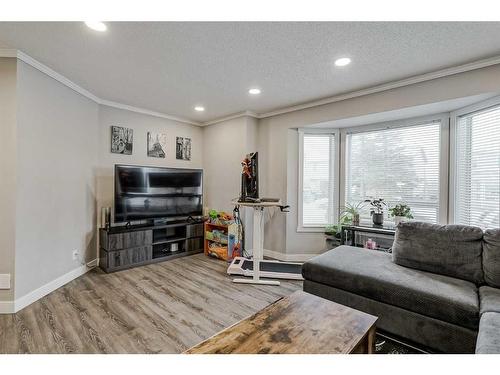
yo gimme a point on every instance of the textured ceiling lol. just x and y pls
(171, 66)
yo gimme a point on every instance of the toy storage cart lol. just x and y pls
(222, 241)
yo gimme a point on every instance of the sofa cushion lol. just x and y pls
(372, 274)
(491, 257)
(488, 338)
(451, 250)
(489, 299)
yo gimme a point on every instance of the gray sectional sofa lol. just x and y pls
(440, 288)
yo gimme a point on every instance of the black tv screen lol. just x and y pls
(153, 192)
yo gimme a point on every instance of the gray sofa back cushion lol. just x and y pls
(491, 257)
(451, 250)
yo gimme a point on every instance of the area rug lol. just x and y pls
(388, 345)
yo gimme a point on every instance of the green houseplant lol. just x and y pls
(334, 231)
(349, 214)
(352, 211)
(400, 212)
(377, 210)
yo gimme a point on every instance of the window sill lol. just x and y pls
(310, 229)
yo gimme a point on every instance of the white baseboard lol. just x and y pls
(9, 307)
(288, 257)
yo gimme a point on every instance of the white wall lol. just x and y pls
(224, 149)
(141, 124)
(57, 151)
(225, 146)
(278, 144)
(7, 171)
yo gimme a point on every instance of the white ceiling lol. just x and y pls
(170, 67)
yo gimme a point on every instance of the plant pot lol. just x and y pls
(355, 219)
(399, 219)
(378, 219)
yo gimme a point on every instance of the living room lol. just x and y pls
(317, 187)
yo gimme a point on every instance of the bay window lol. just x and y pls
(447, 169)
(400, 165)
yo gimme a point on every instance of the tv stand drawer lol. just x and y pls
(119, 241)
(194, 244)
(116, 260)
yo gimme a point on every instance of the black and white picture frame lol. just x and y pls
(122, 140)
(157, 145)
(183, 148)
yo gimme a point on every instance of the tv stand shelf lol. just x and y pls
(169, 240)
(137, 245)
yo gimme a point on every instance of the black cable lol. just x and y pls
(241, 229)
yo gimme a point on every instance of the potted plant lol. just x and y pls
(352, 212)
(377, 210)
(400, 212)
(334, 231)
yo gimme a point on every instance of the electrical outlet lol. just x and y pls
(5, 281)
(75, 254)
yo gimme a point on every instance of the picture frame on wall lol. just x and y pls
(183, 148)
(157, 145)
(122, 140)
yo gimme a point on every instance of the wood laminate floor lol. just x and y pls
(161, 308)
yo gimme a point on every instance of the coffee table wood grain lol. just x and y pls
(301, 323)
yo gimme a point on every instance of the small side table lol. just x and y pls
(388, 230)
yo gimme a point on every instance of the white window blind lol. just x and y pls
(399, 165)
(317, 179)
(477, 169)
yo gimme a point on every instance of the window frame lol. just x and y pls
(339, 162)
(453, 175)
(334, 173)
(447, 166)
(443, 118)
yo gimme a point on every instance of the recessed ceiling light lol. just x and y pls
(254, 91)
(96, 25)
(343, 61)
(199, 108)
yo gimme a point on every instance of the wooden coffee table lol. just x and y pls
(301, 323)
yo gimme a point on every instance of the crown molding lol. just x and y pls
(65, 81)
(127, 107)
(337, 98)
(231, 117)
(388, 86)
(53, 74)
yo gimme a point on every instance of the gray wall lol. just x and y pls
(64, 166)
(7, 171)
(57, 150)
(141, 124)
(225, 146)
(63, 171)
(279, 166)
(224, 149)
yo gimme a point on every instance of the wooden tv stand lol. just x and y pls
(131, 246)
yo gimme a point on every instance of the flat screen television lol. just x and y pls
(143, 193)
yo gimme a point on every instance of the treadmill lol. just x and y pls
(268, 268)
